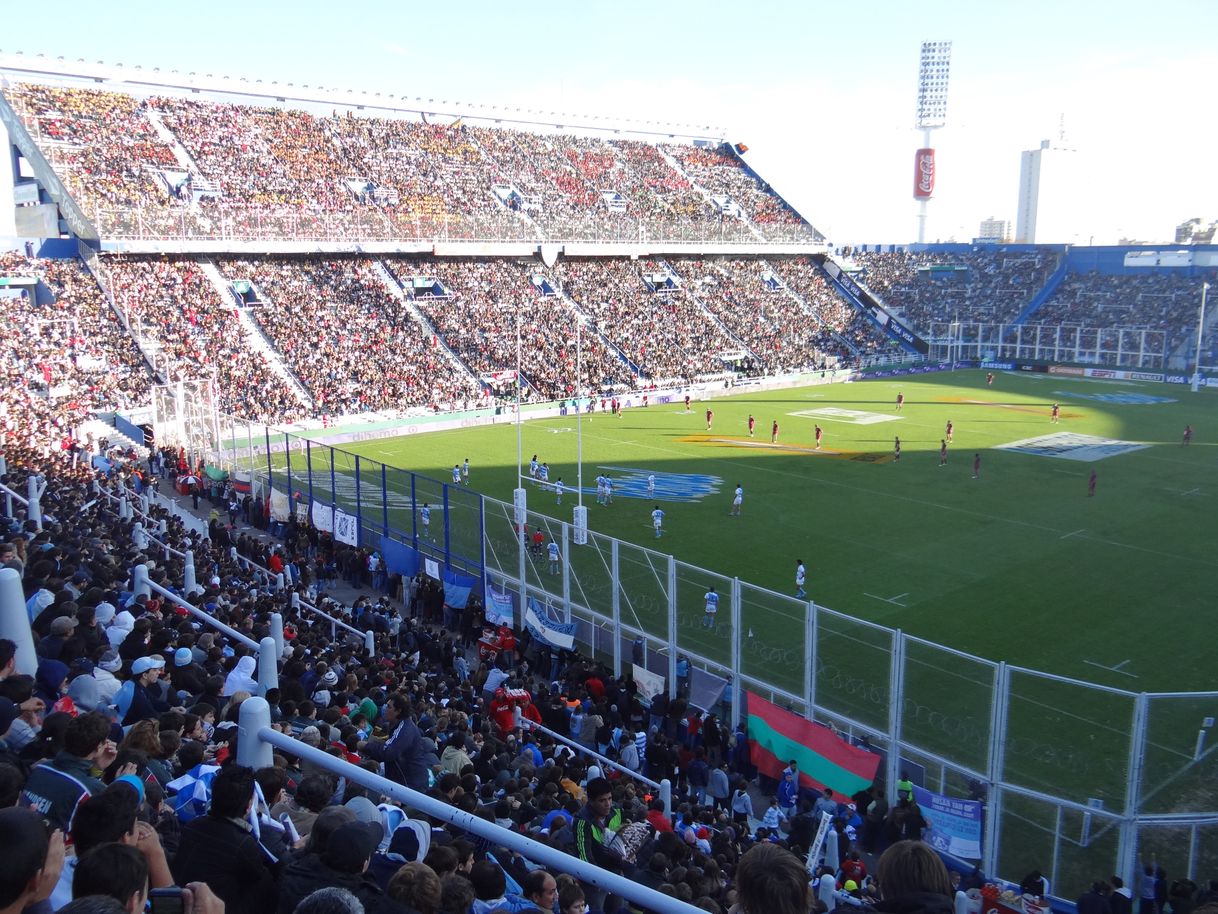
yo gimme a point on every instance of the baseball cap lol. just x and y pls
(352, 845)
(144, 664)
(182, 656)
(850, 885)
(63, 625)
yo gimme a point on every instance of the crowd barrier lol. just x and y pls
(257, 738)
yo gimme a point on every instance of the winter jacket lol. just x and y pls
(54, 789)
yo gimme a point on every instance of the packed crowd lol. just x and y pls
(749, 299)
(124, 741)
(277, 160)
(1167, 302)
(65, 354)
(103, 147)
(350, 342)
(924, 288)
(722, 174)
(193, 334)
(665, 334)
(851, 333)
(478, 319)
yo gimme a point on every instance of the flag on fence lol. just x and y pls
(777, 736)
(559, 635)
(457, 588)
(499, 608)
(955, 823)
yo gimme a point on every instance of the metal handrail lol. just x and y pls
(257, 738)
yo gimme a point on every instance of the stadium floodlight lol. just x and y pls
(932, 84)
(933, 73)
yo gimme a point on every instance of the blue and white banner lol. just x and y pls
(560, 635)
(955, 825)
(499, 608)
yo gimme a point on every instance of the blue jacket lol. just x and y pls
(403, 754)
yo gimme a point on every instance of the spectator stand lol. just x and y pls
(31, 501)
(662, 788)
(257, 740)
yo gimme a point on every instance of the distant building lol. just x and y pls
(1049, 212)
(993, 231)
(1195, 231)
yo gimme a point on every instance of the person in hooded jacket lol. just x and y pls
(913, 880)
(50, 681)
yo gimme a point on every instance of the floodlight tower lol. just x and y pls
(932, 114)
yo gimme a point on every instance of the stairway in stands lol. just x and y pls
(203, 186)
(394, 287)
(255, 338)
(706, 194)
(815, 314)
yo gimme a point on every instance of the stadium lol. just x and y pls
(372, 319)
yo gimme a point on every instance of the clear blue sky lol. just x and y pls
(823, 93)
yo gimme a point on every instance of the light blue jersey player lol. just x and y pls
(543, 474)
(712, 607)
(465, 471)
(558, 489)
(801, 576)
(608, 491)
(533, 467)
(425, 517)
(657, 521)
(552, 549)
(456, 474)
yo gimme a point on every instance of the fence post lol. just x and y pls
(370, 643)
(810, 634)
(268, 666)
(566, 582)
(994, 766)
(254, 716)
(736, 616)
(35, 486)
(278, 581)
(277, 632)
(124, 509)
(188, 572)
(138, 537)
(672, 627)
(15, 621)
(666, 795)
(1127, 845)
(139, 581)
(896, 701)
(617, 619)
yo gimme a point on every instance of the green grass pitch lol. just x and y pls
(1020, 564)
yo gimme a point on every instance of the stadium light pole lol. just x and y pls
(519, 494)
(931, 115)
(1205, 287)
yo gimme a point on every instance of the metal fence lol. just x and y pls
(1117, 346)
(238, 222)
(1079, 780)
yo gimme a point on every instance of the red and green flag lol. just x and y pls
(776, 736)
